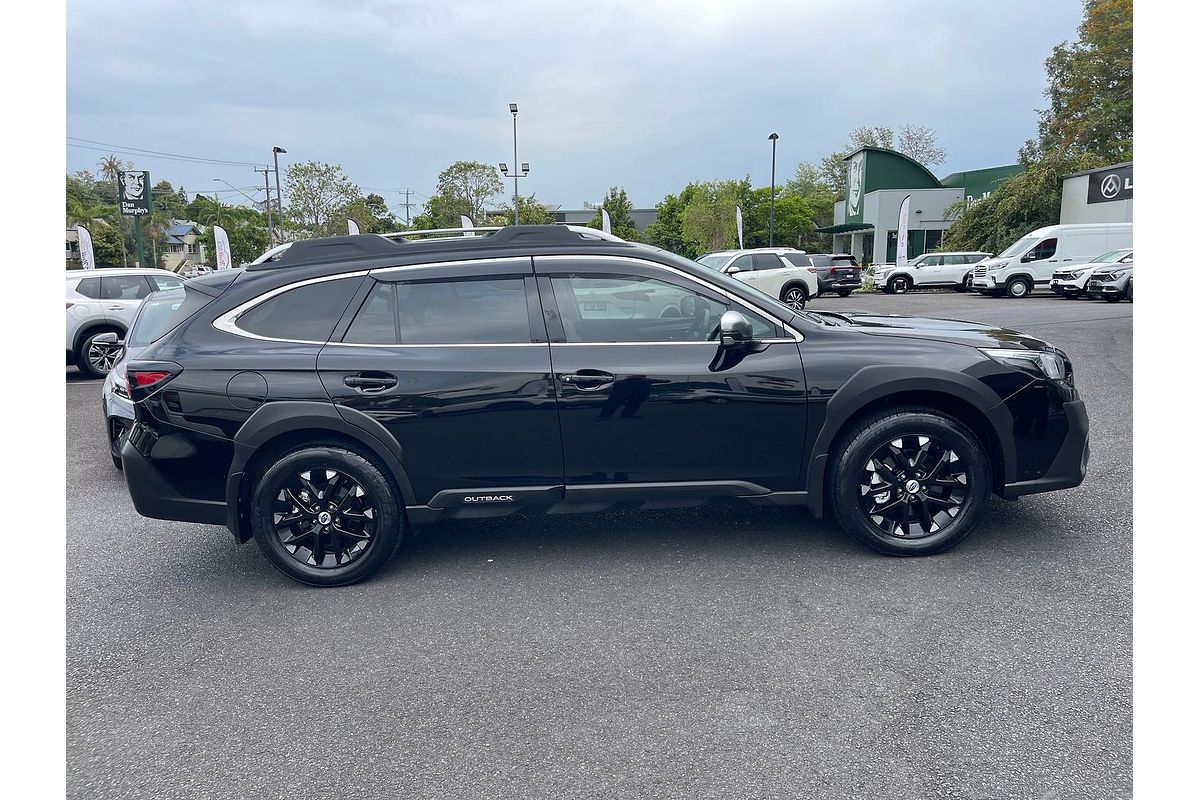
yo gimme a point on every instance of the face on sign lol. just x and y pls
(133, 185)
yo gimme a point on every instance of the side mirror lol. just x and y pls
(735, 329)
(109, 339)
(732, 270)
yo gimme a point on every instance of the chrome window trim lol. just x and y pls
(461, 262)
(227, 322)
(797, 336)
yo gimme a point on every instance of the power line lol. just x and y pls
(140, 151)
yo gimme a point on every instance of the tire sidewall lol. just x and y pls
(81, 359)
(803, 296)
(1015, 282)
(900, 285)
(861, 445)
(389, 527)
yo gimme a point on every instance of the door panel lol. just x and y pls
(648, 412)
(468, 413)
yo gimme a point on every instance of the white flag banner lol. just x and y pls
(902, 233)
(468, 224)
(353, 226)
(86, 256)
(605, 222)
(221, 239)
(741, 245)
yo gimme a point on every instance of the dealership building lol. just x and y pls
(1098, 195)
(878, 180)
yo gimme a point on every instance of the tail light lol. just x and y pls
(147, 377)
(813, 270)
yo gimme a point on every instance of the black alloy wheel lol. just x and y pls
(899, 285)
(910, 482)
(98, 358)
(326, 516)
(794, 297)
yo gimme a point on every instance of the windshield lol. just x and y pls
(1111, 256)
(1020, 246)
(715, 262)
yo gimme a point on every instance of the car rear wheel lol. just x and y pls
(844, 292)
(965, 285)
(96, 359)
(1018, 287)
(911, 481)
(326, 516)
(794, 297)
(899, 285)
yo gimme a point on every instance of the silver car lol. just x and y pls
(1113, 283)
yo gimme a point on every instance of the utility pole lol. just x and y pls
(407, 208)
(266, 171)
(275, 151)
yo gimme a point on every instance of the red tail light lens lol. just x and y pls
(144, 380)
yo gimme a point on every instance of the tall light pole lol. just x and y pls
(275, 151)
(518, 170)
(266, 171)
(774, 137)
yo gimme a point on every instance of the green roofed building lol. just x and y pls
(877, 182)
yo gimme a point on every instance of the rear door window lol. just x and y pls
(124, 287)
(765, 261)
(163, 282)
(304, 314)
(475, 311)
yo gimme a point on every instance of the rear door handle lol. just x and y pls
(369, 384)
(116, 308)
(588, 380)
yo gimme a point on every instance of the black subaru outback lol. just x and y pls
(325, 401)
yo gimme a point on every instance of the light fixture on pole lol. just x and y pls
(774, 137)
(519, 170)
(275, 151)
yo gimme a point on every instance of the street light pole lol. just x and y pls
(275, 151)
(774, 137)
(266, 171)
(516, 193)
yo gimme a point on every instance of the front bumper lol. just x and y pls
(1069, 467)
(1067, 286)
(1105, 288)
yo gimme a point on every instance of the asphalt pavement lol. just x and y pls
(725, 651)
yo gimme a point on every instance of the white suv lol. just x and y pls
(929, 270)
(783, 273)
(104, 301)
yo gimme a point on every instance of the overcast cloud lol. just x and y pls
(648, 95)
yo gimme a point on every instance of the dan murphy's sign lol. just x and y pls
(133, 193)
(1110, 185)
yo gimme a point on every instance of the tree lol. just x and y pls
(832, 169)
(710, 218)
(920, 144)
(110, 167)
(1089, 124)
(532, 213)
(793, 218)
(469, 185)
(1090, 86)
(371, 213)
(107, 245)
(247, 229)
(667, 229)
(317, 197)
(617, 204)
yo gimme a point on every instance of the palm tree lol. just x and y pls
(80, 213)
(110, 167)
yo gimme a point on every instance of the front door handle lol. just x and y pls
(116, 308)
(587, 380)
(369, 383)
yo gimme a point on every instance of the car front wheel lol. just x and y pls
(910, 481)
(1019, 287)
(899, 285)
(326, 516)
(794, 297)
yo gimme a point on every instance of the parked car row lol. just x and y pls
(101, 302)
(1033, 260)
(789, 275)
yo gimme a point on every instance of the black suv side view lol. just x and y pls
(325, 401)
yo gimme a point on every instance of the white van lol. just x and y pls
(1032, 259)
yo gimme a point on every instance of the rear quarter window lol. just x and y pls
(163, 312)
(305, 313)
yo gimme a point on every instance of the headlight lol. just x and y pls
(1119, 273)
(1078, 274)
(1051, 364)
(997, 265)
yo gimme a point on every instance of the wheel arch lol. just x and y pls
(876, 389)
(275, 428)
(796, 283)
(97, 326)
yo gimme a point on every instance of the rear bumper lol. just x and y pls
(1069, 467)
(154, 496)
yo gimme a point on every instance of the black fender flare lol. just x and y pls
(277, 418)
(875, 383)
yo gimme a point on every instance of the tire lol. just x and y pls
(964, 285)
(1113, 298)
(376, 521)
(95, 360)
(793, 297)
(899, 285)
(1129, 290)
(868, 453)
(844, 292)
(1018, 287)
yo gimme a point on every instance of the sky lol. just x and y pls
(645, 95)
